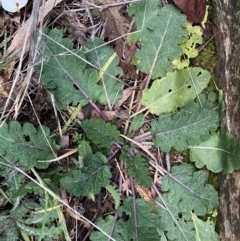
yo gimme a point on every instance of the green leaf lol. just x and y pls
(188, 126)
(84, 149)
(205, 231)
(173, 215)
(146, 222)
(219, 153)
(9, 230)
(55, 78)
(137, 121)
(161, 32)
(100, 132)
(111, 89)
(21, 213)
(28, 217)
(175, 90)
(213, 101)
(105, 224)
(94, 175)
(191, 191)
(144, 12)
(47, 233)
(138, 168)
(115, 195)
(25, 144)
(25, 188)
(125, 230)
(174, 221)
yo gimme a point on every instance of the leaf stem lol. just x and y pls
(134, 207)
(143, 137)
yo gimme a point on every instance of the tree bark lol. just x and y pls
(226, 19)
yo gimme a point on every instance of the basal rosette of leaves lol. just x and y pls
(185, 193)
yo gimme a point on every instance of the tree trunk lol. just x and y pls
(226, 19)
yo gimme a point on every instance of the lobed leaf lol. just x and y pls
(147, 223)
(61, 67)
(72, 79)
(190, 190)
(91, 178)
(180, 130)
(138, 168)
(160, 32)
(100, 132)
(174, 221)
(26, 144)
(115, 195)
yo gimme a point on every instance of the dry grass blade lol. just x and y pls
(19, 39)
(19, 47)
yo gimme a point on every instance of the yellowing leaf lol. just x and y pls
(190, 46)
(204, 230)
(175, 90)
